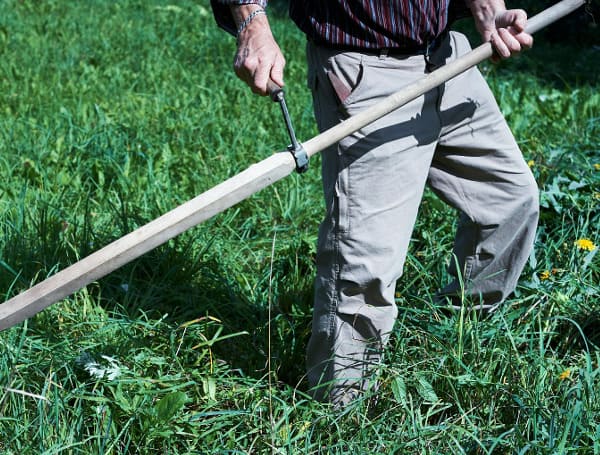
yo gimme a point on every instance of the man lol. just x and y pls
(454, 139)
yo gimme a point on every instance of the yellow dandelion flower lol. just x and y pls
(596, 195)
(565, 375)
(530, 163)
(545, 275)
(597, 166)
(585, 244)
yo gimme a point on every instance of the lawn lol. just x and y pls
(113, 113)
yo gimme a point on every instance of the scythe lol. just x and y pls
(236, 189)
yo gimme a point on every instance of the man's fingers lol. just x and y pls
(510, 42)
(525, 39)
(253, 71)
(259, 81)
(499, 45)
(510, 37)
(264, 72)
(507, 44)
(277, 70)
(257, 60)
(514, 18)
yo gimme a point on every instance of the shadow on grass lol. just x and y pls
(171, 283)
(580, 331)
(177, 284)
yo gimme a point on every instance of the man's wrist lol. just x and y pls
(241, 11)
(248, 16)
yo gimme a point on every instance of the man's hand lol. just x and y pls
(505, 29)
(258, 57)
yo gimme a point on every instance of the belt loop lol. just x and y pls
(383, 53)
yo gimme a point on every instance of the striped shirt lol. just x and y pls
(361, 24)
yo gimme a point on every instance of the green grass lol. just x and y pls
(112, 113)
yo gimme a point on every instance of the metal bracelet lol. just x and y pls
(249, 19)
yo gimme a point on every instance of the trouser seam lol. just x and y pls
(336, 274)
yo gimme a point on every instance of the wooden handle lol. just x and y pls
(552, 14)
(234, 190)
(146, 238)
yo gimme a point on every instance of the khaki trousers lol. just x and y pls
(454, 139)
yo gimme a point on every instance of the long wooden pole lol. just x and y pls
(235, 189)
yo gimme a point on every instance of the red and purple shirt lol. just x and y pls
(361, 24)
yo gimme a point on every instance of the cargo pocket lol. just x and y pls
(346, 79)
(357, 87)
(341, 89)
